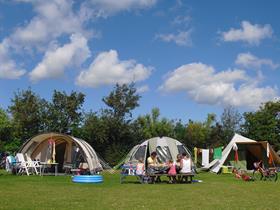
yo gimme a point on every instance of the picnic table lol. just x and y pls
(151, 176)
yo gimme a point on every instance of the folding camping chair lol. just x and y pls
(34, 164)
(23, 166)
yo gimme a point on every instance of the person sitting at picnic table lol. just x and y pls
(152, 160)
(140, 168)
(178, 166)
(186, 166)
(178, 163)
(154, 167)
(172, 172)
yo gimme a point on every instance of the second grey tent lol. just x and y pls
(166, 148)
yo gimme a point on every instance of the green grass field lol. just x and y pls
(216, 192)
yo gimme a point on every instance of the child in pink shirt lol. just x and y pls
(172, 171)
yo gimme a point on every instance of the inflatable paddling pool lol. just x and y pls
(87, 179)
(196, 180)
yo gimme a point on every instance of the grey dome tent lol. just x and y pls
(67, 150)
(166, 148)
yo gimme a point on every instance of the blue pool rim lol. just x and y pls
(87, 179)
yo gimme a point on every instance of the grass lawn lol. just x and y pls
(216, 192)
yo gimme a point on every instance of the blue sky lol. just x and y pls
(188, 58)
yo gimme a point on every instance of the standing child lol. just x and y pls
(172, 172)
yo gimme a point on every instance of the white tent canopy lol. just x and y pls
(217, 164)
(237, 139)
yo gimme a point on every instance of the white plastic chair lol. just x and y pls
(34, 164)
(22, 165)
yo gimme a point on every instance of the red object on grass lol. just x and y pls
(270, 159)
(236, 156)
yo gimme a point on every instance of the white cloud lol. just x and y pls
(107, 69)
(107, 7)
(247, 60)
(143, 89)
(183, 38)
(53, 19)
(56, 61)
(182, 20)
(249, 33)
(8, 68)
(230, 87)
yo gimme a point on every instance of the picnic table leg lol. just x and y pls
(152, 178)
(55, 169)
(158, 179)
(179, 178)
(140, 178)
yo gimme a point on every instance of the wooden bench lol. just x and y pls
(179, 177)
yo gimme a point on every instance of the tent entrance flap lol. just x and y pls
(250, 159)
(163, 154)
(60, 153)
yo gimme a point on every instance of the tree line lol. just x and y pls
(113, 131)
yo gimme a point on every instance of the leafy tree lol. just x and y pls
(111, 131)
(95, 130)
(151, 126)
(264, 124)
(198, 133)
(180, 131)
(26, 110)
(121, 101)
(6, 130)
(230, 123)
(64, 112)
(216, 137)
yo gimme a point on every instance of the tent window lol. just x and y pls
(163, 154)
(139, 154)
(181, 149)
